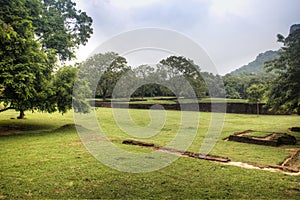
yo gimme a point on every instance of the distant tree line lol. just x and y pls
(37, 35)
(167, 78)
(173, 76)
(278, 86)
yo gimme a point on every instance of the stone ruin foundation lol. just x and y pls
(271, 139)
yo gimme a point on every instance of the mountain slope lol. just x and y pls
(256, 66)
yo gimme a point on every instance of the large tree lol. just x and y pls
(146, 77)
(284, 92)
(215, 85)
(255, 94)
(111, 76)
(61, 27)
(179, 72)
(33, 35)
(102, 71)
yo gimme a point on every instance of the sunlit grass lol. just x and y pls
(259, 134)
(43, 161)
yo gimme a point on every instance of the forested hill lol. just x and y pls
(256, 66)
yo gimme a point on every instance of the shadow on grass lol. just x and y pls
(31, 129)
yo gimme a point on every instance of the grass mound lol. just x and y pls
(66, 127)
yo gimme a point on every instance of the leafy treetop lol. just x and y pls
(284, 93)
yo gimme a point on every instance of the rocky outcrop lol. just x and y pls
(294, 28)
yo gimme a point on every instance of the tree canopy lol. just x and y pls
(33, 35)
(284, 93)
(255, 94)
(62, 27)
(102, 72)
(180, 71)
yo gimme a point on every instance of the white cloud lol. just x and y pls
(232, 31)
(127, 4)
(228, 8)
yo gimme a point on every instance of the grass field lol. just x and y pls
(259, 134)
(42, 159)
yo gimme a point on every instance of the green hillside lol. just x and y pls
(256, 66)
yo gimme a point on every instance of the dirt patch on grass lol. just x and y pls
(294, 160)
(9, 130)
(75, 144)
(270, 168)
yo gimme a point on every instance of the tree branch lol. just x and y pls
(5, 109)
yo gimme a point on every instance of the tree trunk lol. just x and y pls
(143, 91)
(22, 114)
(257, 108)
(104, 91)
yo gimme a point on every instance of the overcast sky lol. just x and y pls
(232, 32)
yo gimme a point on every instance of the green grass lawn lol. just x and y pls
(43, 160)
(259, 134)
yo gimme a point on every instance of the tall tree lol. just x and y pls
(284, 93)
(67, 93)
(111, 76)
(215, 85)
(103, 71)
(24, 66)
(179, 71)
(27, 59)
(255, 94)
(145, 75)
(62, 27)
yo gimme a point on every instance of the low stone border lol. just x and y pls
(175, 151)
(272, 139)
(223, 160)
(295, 129)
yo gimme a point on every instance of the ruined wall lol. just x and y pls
(241, 108)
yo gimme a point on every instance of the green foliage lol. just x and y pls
(6, 31)
(63, 82)
(236, 85)
(24, 67)
(102, 72)
(33, 34)
(255, 93)
(175, 75)
(214, 85)
(146, 74)
(178, 72)
(237, 82)
(111, 76)
(81, 92)
(257, 66)
(62, 27)
(284, 93)
(66, 92)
